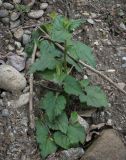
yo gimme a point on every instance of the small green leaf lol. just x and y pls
(46, 144)
(84, 83)
(59, 30)
(53, 105)
(94, 97)
(62, 140)
(72, 86)
(76, 133)
(60, 123)
(73, 117)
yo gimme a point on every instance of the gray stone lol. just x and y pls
(15, 24)
(18, 34)
(3, 13)
(18, 62)
(5, 20)
(26, 38)
(70, 154)
(107, 147)
(11, 79)
(14, 16)
(8, 6)
(43, 5)
(5, 113)
(1, 103)
(36, 14)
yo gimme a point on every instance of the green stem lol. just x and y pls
(65, 55)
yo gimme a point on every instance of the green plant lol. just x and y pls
(58, 128)
(22, 8)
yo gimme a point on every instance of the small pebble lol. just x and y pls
(1, 102)
(5, 20)
(8, 6)
(90, 21)
(43, 6)
(26, 38)
(36, 14)
(3, 13)
(5, 113)
(11, 48)
(1, 3)
(16, 1)
(18, 34)
(15, 24)
(14, 16)
(17, 44)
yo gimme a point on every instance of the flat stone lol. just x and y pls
(5, 113)
(18, 34)
(11, 79)
(36, 14)
(8, 6)
(107, 147)
(14, 16)
(43, 5)
(3, 13)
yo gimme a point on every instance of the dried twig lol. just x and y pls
(85, 65)
(31, 115)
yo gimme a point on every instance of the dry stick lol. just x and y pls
(86, 65)
(31, 114)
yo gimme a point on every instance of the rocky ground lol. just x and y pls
(104, 31)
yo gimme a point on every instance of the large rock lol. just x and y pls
(11, 79)
(107, 147)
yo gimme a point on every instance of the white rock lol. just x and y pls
(11, 79)
(122, 85)
(23, 100)
(90, 21)
(5, 113)
(43, 6)
(36, 14)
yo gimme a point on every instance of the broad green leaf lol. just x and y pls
(53, 105)
(73, 117)
(46, 144)
(84, 83)
(94, 97)
(82, 52)
(76, 133)
(60, 35)
(59, 30)
(72, 86)
(60, 123)
(47, 60)
(61, 140)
